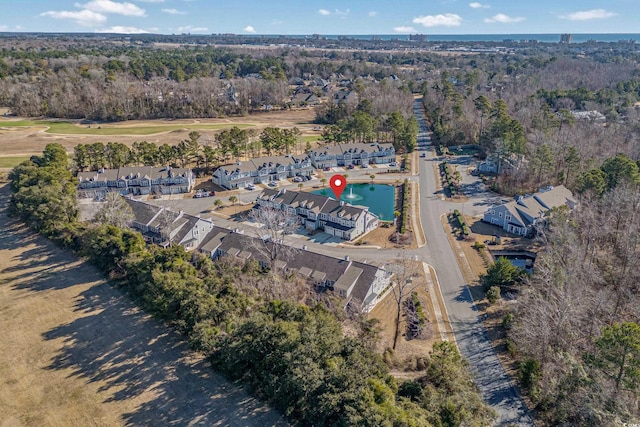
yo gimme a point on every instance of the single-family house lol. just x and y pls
(137, 181)
(521, 215)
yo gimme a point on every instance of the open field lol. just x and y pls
(75, 352)
(27, 136)
(11, 162)
(67, 128)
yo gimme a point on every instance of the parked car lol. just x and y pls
(393, 164)
(365, 165)
(272, 184)
(298, 179)
(423, 155)
(327, 169)
(251, 187)
(350, 167)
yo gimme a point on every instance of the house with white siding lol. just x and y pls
(137, 181)
(521, 215)
(262, 170)
(165, 227)
(318, 212)
(352, 154)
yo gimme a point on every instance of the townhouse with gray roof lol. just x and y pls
(356, 282)
(165, 227)
(137, 181)
(521, 215)
(352, 154)
(262, 170)
(317, 212)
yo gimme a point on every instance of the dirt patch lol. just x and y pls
(385, 311)
(76, 352)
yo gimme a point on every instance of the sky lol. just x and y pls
(321, 16)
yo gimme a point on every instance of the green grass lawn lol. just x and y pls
(11, 162)
(68, 128)
(311, 138)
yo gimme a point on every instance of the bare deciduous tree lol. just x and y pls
(114, 211)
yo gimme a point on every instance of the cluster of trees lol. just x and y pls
(361, 126)
(525, 112)
(575, 326)
(228, 144)
(294, 355)
(105, 82)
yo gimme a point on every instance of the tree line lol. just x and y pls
(291, 351)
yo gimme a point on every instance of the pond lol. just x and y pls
(379, 198)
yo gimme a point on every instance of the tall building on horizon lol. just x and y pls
(566, 38)
(418, 37)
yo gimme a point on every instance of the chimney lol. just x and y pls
(341, 202)
(305, 247)
(346, 257)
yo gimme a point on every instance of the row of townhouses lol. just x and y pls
(262, 170)
(521, 215)
(352, 154)
(356, 282)
(319, 212)
(136, 180)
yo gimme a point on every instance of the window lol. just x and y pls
(500, 214)
(507, 217)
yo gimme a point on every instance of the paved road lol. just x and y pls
(495, 385)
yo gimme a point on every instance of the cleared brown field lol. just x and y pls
(75, 352)
(31, 140)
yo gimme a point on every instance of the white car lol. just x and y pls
(298, 179)
(251, 187)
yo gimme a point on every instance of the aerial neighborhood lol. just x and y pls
(206, 224)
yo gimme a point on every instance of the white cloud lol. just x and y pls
(404, 29)
(476, 5)
(324, 12)
(373, 13)
(3, 28)
(342, 12)
(119, 29)
(190, 29)
(82, 17)
(585, 15)
(504, 19)
(442, 20)
(108, 6)
(151, 1)
(249, 29)
(174, 12)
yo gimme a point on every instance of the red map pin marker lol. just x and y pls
(338, 184)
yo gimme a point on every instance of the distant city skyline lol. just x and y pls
(320, 17)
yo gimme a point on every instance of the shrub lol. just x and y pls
(493, 294)
(507, 321)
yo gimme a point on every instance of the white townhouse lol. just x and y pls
(352, 154)
(319, 212)
(136, 180)
(262, 170)
(165, 227)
